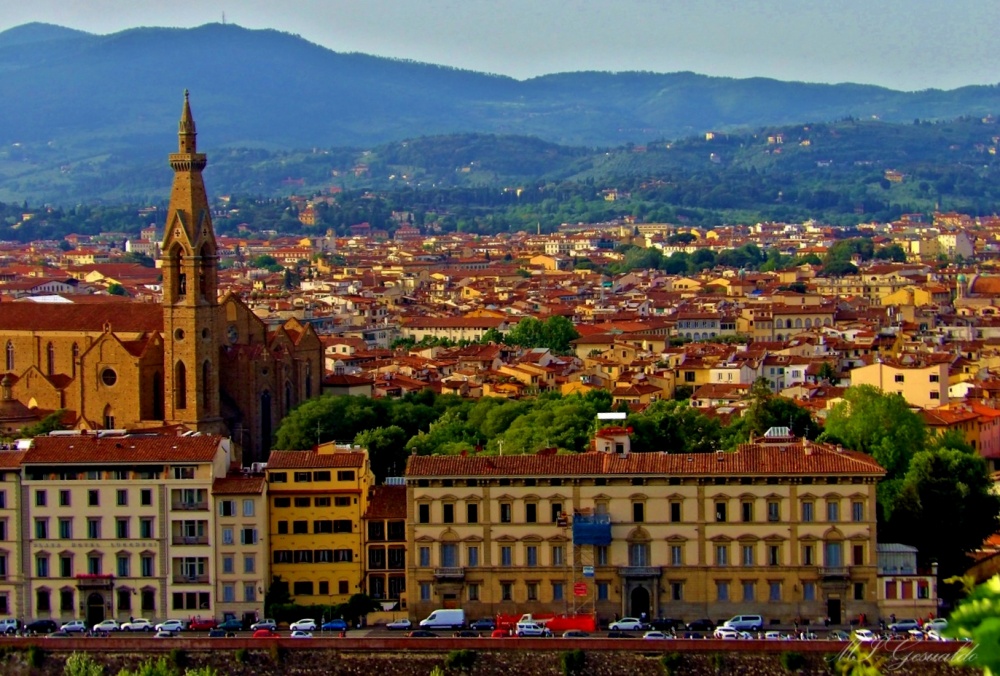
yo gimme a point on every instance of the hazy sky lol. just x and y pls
(903, 44)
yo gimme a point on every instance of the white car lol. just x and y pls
(301, 634)
(170, 625)
(532, 629)
(107, 626)
(726, 633)
(303, 625)
(655, 635)
(74, 627)
(627, 624)
(137, 624)
(398, 624)
(937, 624)
(264, 624)
(864, 635)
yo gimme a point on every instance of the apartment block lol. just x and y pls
(317, 500)
(385, 546)
(242, 559)
(782, 527)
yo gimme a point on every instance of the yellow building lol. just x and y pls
(317, 500)
(242, 559)
(119, 526)
(921, 384)
(781, 527)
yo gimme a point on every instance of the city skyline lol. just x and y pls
(897, 44)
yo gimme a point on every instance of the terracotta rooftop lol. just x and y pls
(238, 484)
(312, 459)
(139, 317)
(90, 449)
(387, 502)
(748, 459)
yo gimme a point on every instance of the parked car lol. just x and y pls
(903, 626)
(222, 633)
(864, 635)
(266, 633)
(667, 624)
(839, 635)
(105, 626)
(655, 635)
(60, 634)
(726, 633)
(74, 627)
(397, 624)
(41, 627)
(745, 623)
(201, 623)
(165, 634)
(264, 624)
(10, 625)
(422, 633)
(303, 625)
(532, 629)
(336, 624)
(575, 633)
(137, 624)
(500, 633)
(301, 634)
(703, 624)
(230, 625)
(170, 625)
(937, 624)
(466, 633)
(627, 624)
(484, 624)
(620, 634)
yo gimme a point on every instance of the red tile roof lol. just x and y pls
(748, 459)
(90, 449)
(312, 459)
(387, 502)
(139, 317)
(238, 484)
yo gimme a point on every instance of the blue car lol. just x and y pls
(334, 625)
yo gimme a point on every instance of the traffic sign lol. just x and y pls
(579, 588)
(588, 571)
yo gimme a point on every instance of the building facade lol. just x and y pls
(782, 527)
(242, 559)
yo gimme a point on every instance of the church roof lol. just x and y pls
(138, 317)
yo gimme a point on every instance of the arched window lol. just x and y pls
(798, 323)
(51, 357)
(181, 276)
(180, 385)
(809, 323)
(10, 356)
(109, 418)
(76, 357)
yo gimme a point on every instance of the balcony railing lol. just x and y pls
(835, 571)
(190, 506)
(639, 571)
(190, 579)
(450, 573)
(190, 540)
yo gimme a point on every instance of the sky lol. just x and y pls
(901, 44)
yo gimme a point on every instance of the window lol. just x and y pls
(66, 601)
(41, 565)
(746, 510)
(449, 555)
(935, 378)
(773, 510)
(601, 555)
(302, 587)
(248, 536)
(321, 502)
(66, 529)
(720, 511)
(859, 591)
(722, 555)
(146, 527)
(448, 512)
(324, 588)
(774, 591)
(123, 565)
(227, 508)
(94, 564)
(146, 565)
(228, 564)
(899, 378)
(749, 590)
(557, 591)
(833, 552)
(341, 501)
(249, 564)
(807, 555)
(531, 555)
(343, 526)
(424, 513)
(345, 475)
(558, 558)
(66, 566)
(473, 592)
(302, 477)
(300, 527)
(302, 502)
(42, 601)
(323, 526)
(833, 511)
(857, 511)
(425, 591)
(638, 554)
(121, 528)
(638, 512)
(858, 555)
(282, 502)
(40, 498)
(279, 477)
(472, 555)
(506, 512)
(506, 555)
(748, 555)
(532, 591)
(229, 593)
(425, 556)
(183, 472)
(602, 591)
(555, 511)
(323, 475)
(721, 590)
(675, 511)
(773, 555)
(41, 529)
(64, 498)
(472, 512)
(676, 555)
(807, 512)
(808, 591)
(531, 512)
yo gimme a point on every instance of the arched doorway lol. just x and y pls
(95, 609)
(639, 602)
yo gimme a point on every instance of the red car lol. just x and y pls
(266, 633)
(201, 624)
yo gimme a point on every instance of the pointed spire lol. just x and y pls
(187, 132)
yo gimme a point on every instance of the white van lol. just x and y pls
(446, 618)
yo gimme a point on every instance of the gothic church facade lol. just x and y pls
(197, 360)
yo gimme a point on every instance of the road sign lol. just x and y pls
(588, 571)
(579, 588)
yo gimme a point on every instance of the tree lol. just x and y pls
(673, 427)
(82, 664)
(559, 332)
(883, 426)
(946, 507)
(827, 371)
(386, 450)
(279, 593)
(766, 411)
(50, 423)
(839, 268)
(116, 289)
(491, 336)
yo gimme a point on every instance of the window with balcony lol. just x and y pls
(638, 554)
(449, 555)
(94, 564)
(833, 555)
(123, 565)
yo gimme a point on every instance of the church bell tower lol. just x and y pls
(190, 292)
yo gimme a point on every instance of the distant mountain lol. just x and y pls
(80, 92)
